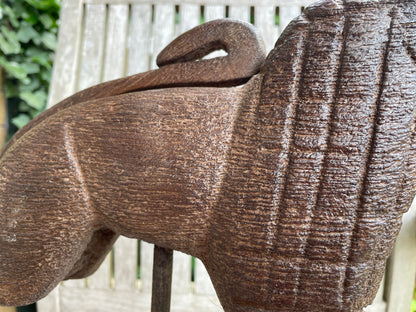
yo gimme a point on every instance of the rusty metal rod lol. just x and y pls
(162, 279)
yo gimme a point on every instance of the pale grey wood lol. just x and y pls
(213, 12)
(102, 300)
(181, 273)
(125, 264)
(213, 2)
(92, 46)
(146, 267)
(101, 279)
(195, 303)
(402, 266)
(75, 283)
(163, 28)
(240, 12)
(189, 15)
(67, 53)
(139, 43)
(288, 12)
(264, 18)
(203, 284)
(116, 42)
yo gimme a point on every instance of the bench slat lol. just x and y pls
(203, 284)
(240, 12)
(163, 28)
(146, 267)
(139, 43)
(67, 54)
(92, 46)
(213, 12)
(116, 43)
(189, 17)
(287, 13)
(181, 276)
(264, 19)
(125, 264)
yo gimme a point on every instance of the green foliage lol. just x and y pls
(28, 32)
(413, 306)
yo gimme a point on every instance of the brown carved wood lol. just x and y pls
(290, 188)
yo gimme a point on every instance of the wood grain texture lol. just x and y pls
(289, 188)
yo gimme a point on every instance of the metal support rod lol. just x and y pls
(162, 279)
(3, 111)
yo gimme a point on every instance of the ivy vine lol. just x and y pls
(28, 37)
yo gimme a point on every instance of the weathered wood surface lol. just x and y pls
(313, 166)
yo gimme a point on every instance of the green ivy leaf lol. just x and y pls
(35, 113)
(39, 56)
(8, 11)
(47, 21)
(9, 43)
(14, 69)
(37, 100)
(37, 40)
(33, 51)
(46, 75)
(31, 68)
(26, 33)
(43, 4)
(42, 60)
(21, 120)
(23, 107)
(49, 40)
(30, 15)
(5, 46)
(33, 85)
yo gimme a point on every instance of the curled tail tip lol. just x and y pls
(239, 39)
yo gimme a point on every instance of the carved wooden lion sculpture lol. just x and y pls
(290, 188)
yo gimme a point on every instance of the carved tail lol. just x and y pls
(180, 68)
